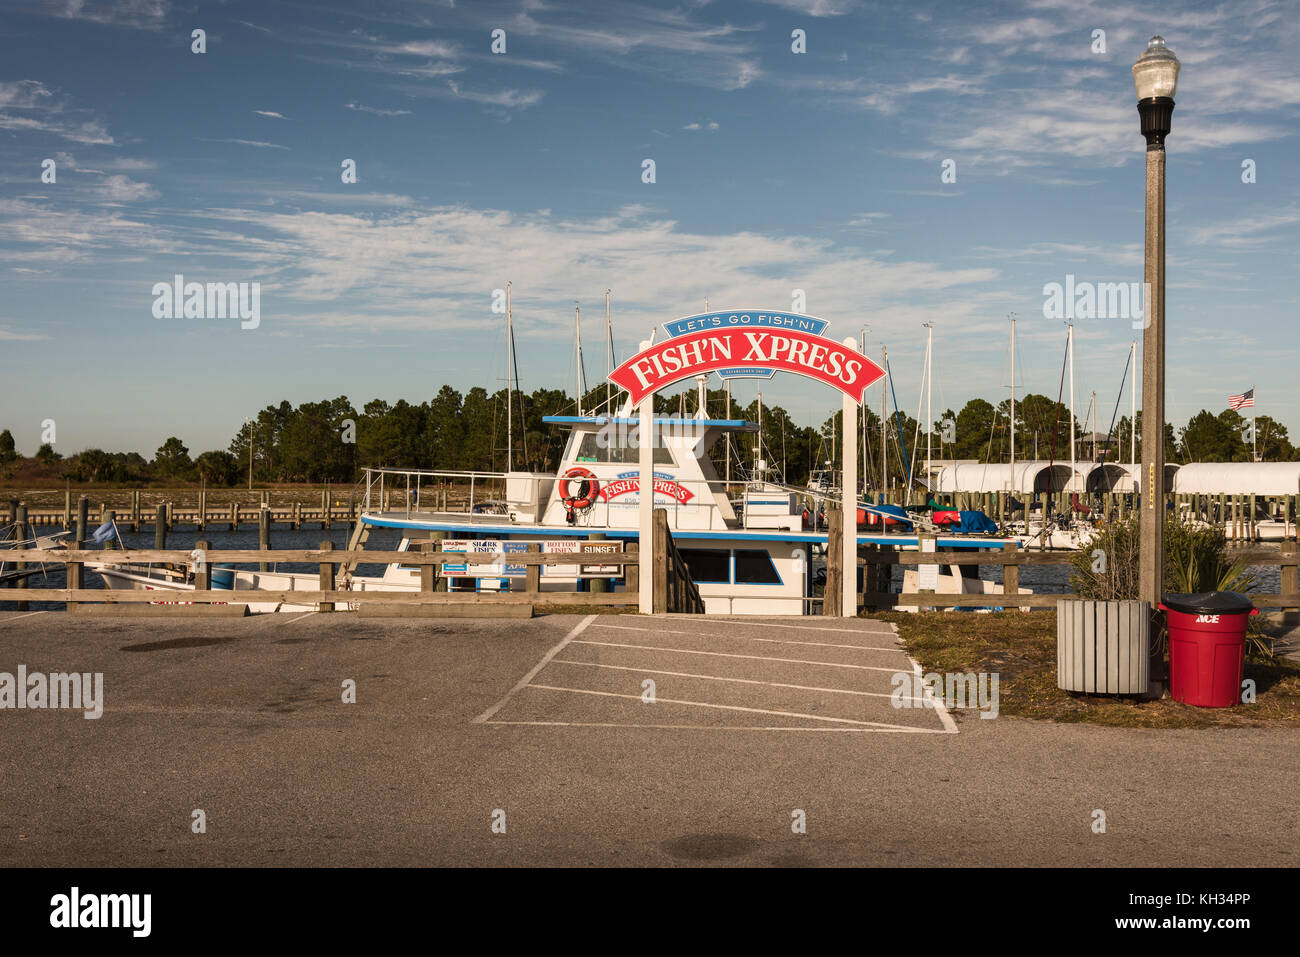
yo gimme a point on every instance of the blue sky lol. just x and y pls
(775, 171)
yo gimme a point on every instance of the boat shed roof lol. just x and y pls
(1238, 478)
(1024, 477)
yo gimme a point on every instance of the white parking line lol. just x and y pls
(767, 624)
(722, 654)
(743, 681)
(27, 615)
(573, 633)
(782, 641)
(715, 727)
(735, 707)
(949, 725)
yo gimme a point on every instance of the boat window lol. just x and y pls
(754, 567)
(708, 565)
(615, 448)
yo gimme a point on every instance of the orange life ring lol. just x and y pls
(588, 488)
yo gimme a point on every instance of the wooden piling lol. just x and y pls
(833, 593)
(1010, 571)
(326, 575)
(19, 513)
(203, 571)
(1290, 580)
(533, 573)
(264, 534)
(83, 519)
(598, 586)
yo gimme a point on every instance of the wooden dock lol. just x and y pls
(137, 510)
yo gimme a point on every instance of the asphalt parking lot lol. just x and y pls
(544, 724)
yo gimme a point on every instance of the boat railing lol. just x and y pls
(381, 483)
(413, 491)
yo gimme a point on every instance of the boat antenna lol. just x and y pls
(581, 383)
(510, 386)
(609, 356)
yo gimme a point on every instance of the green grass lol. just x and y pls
(1021, 649)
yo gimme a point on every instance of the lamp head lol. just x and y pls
(1155, 74)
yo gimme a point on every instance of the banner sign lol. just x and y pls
(747, 346)
(748, 318)
(630, 483)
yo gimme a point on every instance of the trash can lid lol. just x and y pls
(1211, 603)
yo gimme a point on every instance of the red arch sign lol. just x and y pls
(784, 350)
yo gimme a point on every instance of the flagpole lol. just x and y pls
(1254, 433)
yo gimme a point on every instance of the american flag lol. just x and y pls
(1244, 401)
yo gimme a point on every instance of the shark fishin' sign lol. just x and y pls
(762, 347)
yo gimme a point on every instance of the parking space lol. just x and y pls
(737, 674)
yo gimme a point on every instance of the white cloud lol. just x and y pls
(708, 126)
(817, 8)
(258, 143)
(122, 189)
(270, 113)
(137, 14)
(510, 99)
(376, 110)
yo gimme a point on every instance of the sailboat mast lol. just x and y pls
(1070, 348)
(510, 388)
(1012, 317)
(1093, 406)
(884, 419)
(863, 413)
(929, 396)
(609, 356)
(1133, 407)
(581, 379)
(728, 443)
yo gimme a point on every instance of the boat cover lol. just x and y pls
(893, 514)
(975, 522)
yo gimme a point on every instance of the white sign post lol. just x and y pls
(849, 500)
(646, 504)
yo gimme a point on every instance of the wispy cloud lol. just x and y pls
(258, 143)
(376, 110)
(270, 113)
(31, 107)
(136, 14)
(708, 125)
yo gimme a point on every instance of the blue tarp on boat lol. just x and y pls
(975, 522)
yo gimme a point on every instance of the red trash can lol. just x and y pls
(1207, 643)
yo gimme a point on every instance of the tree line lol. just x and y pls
(331, 440)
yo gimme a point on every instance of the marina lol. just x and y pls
(456, 435)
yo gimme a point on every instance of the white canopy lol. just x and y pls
(1032, 477)
(1238, 478)
(1023, 477)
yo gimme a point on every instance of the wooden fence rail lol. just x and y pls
(328, 560)
(674, 590)
(1011, 558)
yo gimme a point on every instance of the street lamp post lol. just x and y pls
(1155, 75)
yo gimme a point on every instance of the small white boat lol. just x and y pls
(139, 576)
